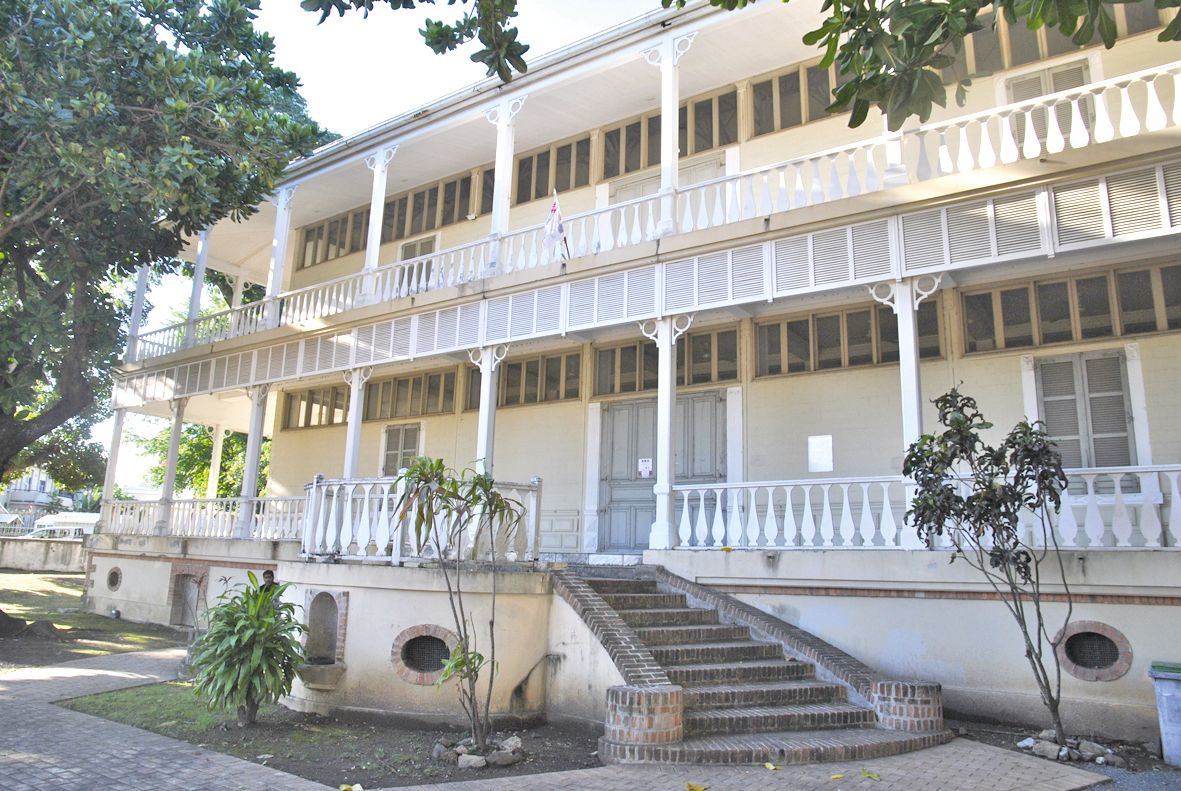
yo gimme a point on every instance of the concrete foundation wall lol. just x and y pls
(911, 615)
(42, 554)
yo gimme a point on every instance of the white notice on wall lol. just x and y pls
(820, 453)
(644, 468)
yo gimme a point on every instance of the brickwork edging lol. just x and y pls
(627, 651)
(916, 707)
(644, 715)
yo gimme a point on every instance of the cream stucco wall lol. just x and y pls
(581, 670)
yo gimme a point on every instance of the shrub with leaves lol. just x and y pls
(249, 655)
(994, 505)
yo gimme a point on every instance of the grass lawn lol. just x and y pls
(38, 596)
(373, 752)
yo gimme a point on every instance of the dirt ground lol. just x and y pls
(1006, 736)
(42, 597)
(372, 752)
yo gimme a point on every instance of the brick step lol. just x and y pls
(705, 633)
(758, 719)
(766, 694)
(687, 616)
(644, 601)
(780, 748)
(730, 672)
(700, 653)
(612, 585)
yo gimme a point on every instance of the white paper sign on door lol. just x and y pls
(644, 468)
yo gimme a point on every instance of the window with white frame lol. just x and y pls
(318, 406)
(418, 247)
(555, 168)
(400, 447)
(410, 396)
(1083, 400)
(551, 377)
(705, 357)
(793, 97)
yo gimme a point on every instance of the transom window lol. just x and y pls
(702, 358)
(531, 381)
(845, 339)
(1101, 305)
(705, 123)
(557, 168)
(319, 406)
(410, 396)
(792, 97)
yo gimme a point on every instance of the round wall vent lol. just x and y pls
(1094, 651)
(419, 653)
(114, 579)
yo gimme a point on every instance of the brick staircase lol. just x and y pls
(743, 700)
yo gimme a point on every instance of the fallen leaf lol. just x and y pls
(695, 787)
(727, 549)
(871, 775)
(837, 777)
(770, 766)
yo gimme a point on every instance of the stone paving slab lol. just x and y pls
(44, 747)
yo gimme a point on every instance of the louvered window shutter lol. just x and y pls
(1023, 89)
(1110, 427)
(1062, 409)
(1065, 78)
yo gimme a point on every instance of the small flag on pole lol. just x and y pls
(555, 229)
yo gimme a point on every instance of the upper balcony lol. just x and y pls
(618, 219)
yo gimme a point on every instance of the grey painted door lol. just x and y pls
(627, 504)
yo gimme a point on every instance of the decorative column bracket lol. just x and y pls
(488, 358)
(887, 297)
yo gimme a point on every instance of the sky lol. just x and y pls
(355, 73)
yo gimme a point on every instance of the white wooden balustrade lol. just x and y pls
(1109, 507)
(1120, 107)
(272, 518)
(358, 519)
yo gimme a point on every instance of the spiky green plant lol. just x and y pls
(249, 655)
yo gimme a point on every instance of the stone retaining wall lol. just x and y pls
(42, 554)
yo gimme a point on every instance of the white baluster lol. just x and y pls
(734, 533)
(1150, 524)
(1067, 524)
(808, 526)
(801, 198)
(1174, 536)
(1104, 131)
(748, 198)
(608, 240)
(636, 235)
(889, 528)
(770, 523)
(766, 200)
(701, 526)
(733, 211)
(684, 530)
(834, 179)
(826, 524)
(964, 161)
(944, 155)
(1009, 153)
(1121, 523)
(1054, 140)
(365, 528)
(752, 516)
(817, 195)
(650, 225)
(923, 168)
(781, 200)
(866, 526)
(853, 189)
(702, 210)
(987, 156)
(687, 218)
(719, 524)
(1031, 148)
(1129, 124)
(719, 214)
(846, 523)
(872, 182)
(1177, 98)
(1093, 519)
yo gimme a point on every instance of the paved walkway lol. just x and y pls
(48, 748)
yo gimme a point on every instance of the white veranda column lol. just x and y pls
(167, 493)
(254, 438)
(503, 116)
(379, 163)
(198, 286)
(488, 359)
(219, 436)
(666, 55)
(356, 380)
(282, 201)
(110, 479)
(664, 332)
(137, 312)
